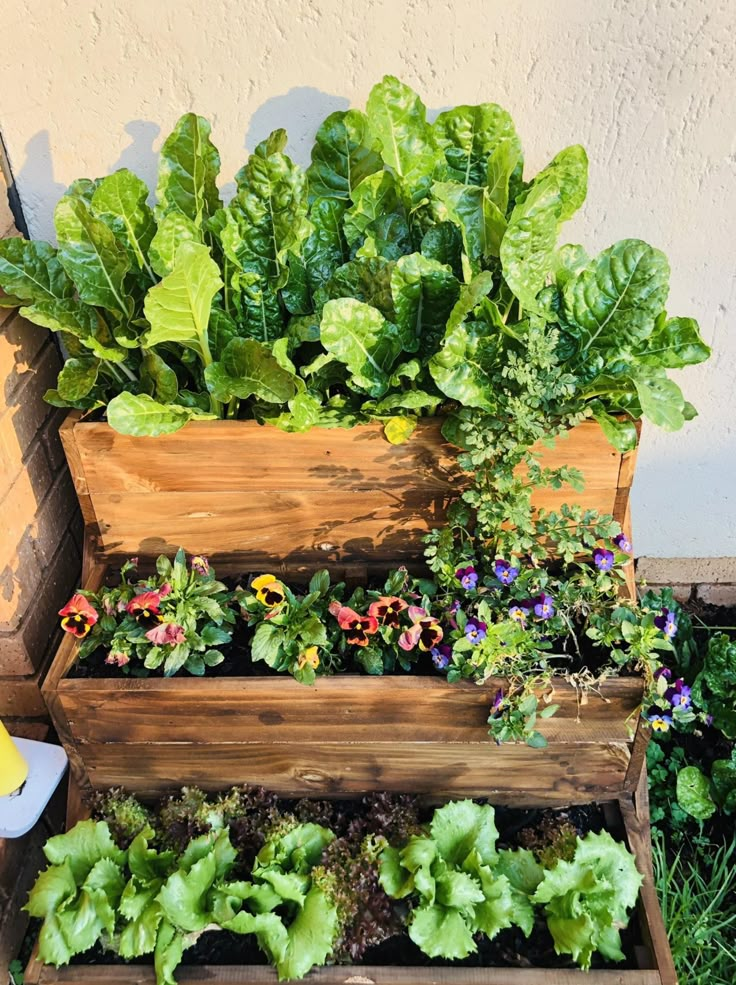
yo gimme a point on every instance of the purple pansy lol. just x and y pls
(475, 630)
(505, 571)
(441, 656)
(603, 559)
(679, 695)
(519, 611)
(497, 701)
(623, 543)
(544, 606)
(666, 622)
(200, 564)
(663, 672)
(468, 577)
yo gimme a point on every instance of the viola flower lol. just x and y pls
(468, 577)
(475, 630)
(603, 559)
(358, 628)
(78, 616)
(679, 695)
(166, 634)
(660, 720)
(667, 623)
(441, 656)
(497, 701)
(424, 631)
(505, 571)
(200, 564)
(145, 609)
(117, 659)
(519, 611)
(662, 672)
(309, 658)
(623, 543)
(269, 590)
(544, 606)
(387, 610)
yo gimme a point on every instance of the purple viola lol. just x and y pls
(659, 719)
(468, 577)
(663, 672)
(679, 695)
(441, 656)
(544, 606)
(475, 630)
(667, 623)
(623, 543)
(505, 571)
(497, 701)
(603, 559)
(519, 611)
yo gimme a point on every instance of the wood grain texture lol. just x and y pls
(238, 490)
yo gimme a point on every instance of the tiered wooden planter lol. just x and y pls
(257, 499)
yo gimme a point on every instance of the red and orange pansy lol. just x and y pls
(145, 609)
(78, 616)
(357, 628)
(387, 610)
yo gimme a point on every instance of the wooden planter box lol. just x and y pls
(628, 817)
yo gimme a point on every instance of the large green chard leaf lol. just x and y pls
(82, 321)
(178, 308)
(359, 336)
(173, 230)
(120, 201)
(661, 400)
(32, 271)
(142, 416)
(92, 256)
(366, 279)
(188, 169)
(399, 118)
(248, 368)
(375, 197)
(76, 378)
(344, 153)
(424, 293)
(527, 249)
(617, 298)
(504, 164)
(444, 243)
(469, 135)
(674, 344)
(462, 369)
(158, 379)
(569, 168)
(481, 222)
(325, 249)
(471, 295)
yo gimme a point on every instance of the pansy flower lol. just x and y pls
(468, 577)
(269, 590)
(660, 719)
(387, 610)
(166, 634)
(679, 695)
(497, 701)
(117, 658)
(623, 543)
(519, 611)
(662, 672)
(424, 632)
(441, 656)
(78, 616)
(505, 571)
(200, 564)
(666, 622)
(603, 559)
(358, 628)
(145, 609)
(475, 630)
(308, 658)
(544, 606)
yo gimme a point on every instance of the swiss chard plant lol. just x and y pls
(179, 618)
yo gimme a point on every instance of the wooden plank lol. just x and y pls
(508, 774)
(340, 975)
(344, 708)
(281, 488)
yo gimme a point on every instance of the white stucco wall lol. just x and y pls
(647, 87)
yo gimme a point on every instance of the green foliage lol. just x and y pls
(587, 900)
(714, 688)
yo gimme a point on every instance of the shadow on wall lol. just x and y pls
(36, 187)
(139, 156)
(300, 112)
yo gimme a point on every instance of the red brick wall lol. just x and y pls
(40, 526)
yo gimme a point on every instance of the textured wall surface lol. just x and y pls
(88, 86)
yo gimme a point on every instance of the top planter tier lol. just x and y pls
(258, 497)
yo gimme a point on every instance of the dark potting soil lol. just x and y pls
(509, 949)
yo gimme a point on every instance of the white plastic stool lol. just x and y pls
(20, 810)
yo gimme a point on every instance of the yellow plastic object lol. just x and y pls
(13, 767)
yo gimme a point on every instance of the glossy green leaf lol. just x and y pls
(188, 169)
(621, 433)
(693, 793)
(469, 135)
(424, 293)
(54, 885)
(444, 243)
(674, 344)
(248, 368)
(527, 249)
(462, 827)
(92, 256)
(481, 222)
(441, 933)
(85, 323)
(84, 845)
(32, 271)
(376, 196)
(661, 401)
(178, 309)
(503, 162)
(399, 429)
(569, 169)
(138, 937)
(76, 378)
(168, 953)
(120, 200)
(366, 279)
(470, 297)
(325, 249)
(173, 230)
(183, 895)
(158, 379)
(142, 416)
(359, 336)
(345, 152)
(462, 369)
